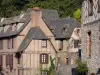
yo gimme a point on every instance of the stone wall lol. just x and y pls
(93, 62)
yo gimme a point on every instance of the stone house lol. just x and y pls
(29, 40)
(91, 34)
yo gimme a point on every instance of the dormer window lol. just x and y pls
(19, 25)
(90, 8)
(1, 28)
(14, 27)
(64, 30)
(98, 6)
(6, 28)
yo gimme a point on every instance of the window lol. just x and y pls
(44, 43)
(10, 43)
(6, 28)
(44, 58)
(98, 6)
(14, 27)
(76, 43)
(88, 44)
(18, 60)
(67, 61)
(19, 25)
(90, 9)
(1, 44)
(1, 28)
(9, 61)
(61, 45)
(0, 60)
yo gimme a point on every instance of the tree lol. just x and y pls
(65, 8)
(77, 15)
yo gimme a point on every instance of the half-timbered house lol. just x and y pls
(29, 40)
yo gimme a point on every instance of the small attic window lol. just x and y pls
(6, 28)
(64, 30)
(2, 19)
(14, 27)
(1, 28)
(90, 9)
(19, 25)
(98, 6)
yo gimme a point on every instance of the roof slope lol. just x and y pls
(18, 19)
(34, 33)
(63, 28)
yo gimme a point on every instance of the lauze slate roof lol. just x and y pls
(34, 33)
(63, 28)
(8, 21)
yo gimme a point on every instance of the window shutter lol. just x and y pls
(11, 62)
(90, 9)
(11, 59)
(98, 6)
(0, 60)
(46, 58)
(1, 44)
(41, 58)
(61, 45)
(10, 43)
(7, 60)
(76, 43)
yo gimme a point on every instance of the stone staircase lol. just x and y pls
(66, 70)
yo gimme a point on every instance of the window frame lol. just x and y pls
(44, 44)
(76, 43)
(90, 7)
(10, 43)
(42, 58)
(9, 61)
(98, 6)
(88, 44)
(61, 45)
(1, 44)
(1, 60)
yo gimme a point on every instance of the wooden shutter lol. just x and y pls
(46, 59)
(1, 44)
(9, 43)
(90, 9)
(76, 43)
(11, 61)
(0, 60)
(88, 44)
(12, 43)
(61, 45)
(98, 6)
(7, 60)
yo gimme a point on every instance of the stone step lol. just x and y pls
(66, 69)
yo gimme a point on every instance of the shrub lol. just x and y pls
(81, 69)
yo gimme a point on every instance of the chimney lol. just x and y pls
(36, 16)
(36, 8)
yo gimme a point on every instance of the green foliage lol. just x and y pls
(52, 67)
(81, 69)
(51, 70)
(65, 8)
(77, 15)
